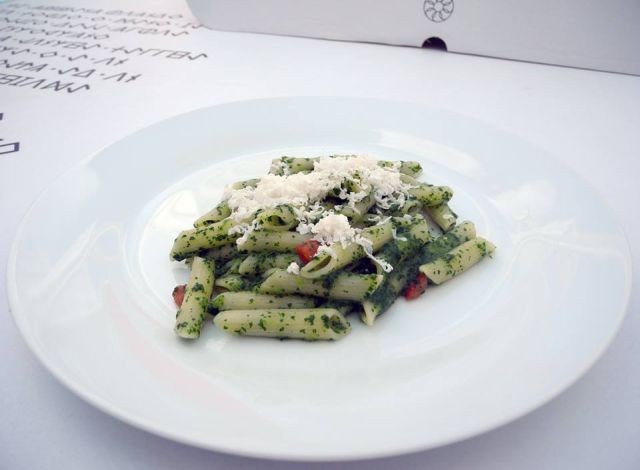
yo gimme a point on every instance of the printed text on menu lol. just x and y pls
(73, 50)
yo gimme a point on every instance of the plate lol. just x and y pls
(89, 283)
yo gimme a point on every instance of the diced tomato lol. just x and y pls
(307, 250)
(178, 294)
(416, 288)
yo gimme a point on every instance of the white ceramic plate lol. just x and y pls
(90, 282)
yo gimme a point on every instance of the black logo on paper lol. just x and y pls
(438, 10)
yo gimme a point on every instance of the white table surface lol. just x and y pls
(590, 121)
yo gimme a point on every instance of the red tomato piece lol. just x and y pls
(307, 250)
(416, 288)
(178, 294)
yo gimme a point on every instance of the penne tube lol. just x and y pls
(345, 286)
(249, 300)
(460, 234)
(258, 263)
(222, 254)
(310, 324)
(193, 310)
(218, 213)
(390, 289)
(359, 209)
(190, 242)
(431, 195)
(458, 260)
(281, 242)
(289, 165)
(279, 219)
(251, 183)
(232, 266)
(326, 262)
(410, 168)
(442, 215)
(233, 282)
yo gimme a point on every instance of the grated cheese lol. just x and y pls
(304, 191)
(334, 228)
(396, 237)
(293, 268)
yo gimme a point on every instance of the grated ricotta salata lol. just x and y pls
(304, 191)
(293, 268)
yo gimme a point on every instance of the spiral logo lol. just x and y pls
(438, 10)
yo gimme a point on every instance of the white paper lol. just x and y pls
(577, 33)
(588, 120)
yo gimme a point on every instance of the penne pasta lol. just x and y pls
(273, 241)
(279, 219)
(310, 324)
(318, 238)
(442, 215)
(249, 300)
(431, 195)
(339, 256)
(458, 260)
(258, 263)
(190, 242)
(218, 213)
(345, 286)
(192, 312)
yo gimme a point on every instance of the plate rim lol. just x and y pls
(147, 425)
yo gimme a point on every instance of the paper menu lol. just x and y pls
(75, 76)
(67, 49)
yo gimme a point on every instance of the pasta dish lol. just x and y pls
(293, 254)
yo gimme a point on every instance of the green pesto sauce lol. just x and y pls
(440, 246)
(337, 325)
(197, 287)
(330, 279)
(405, 269)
